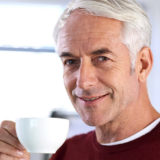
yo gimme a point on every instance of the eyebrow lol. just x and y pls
(66, 54)
(96, 52)
(101, 51)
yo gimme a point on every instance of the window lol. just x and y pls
(30, 72)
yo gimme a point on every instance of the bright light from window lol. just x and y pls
(31, 83)
(28, 25)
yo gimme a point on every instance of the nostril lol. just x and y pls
(86, 81)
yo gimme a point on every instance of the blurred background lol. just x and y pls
(31, 83)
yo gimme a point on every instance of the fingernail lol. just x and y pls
(19, 153)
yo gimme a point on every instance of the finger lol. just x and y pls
(9, 150)
(7, 157)
(26, 155)
(10, 127)
(9, 139)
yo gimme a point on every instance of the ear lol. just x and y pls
(144, 63)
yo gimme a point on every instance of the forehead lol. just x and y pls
(82, 28)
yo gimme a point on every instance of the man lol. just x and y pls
(104, 48)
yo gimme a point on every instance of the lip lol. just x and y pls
(93, 99)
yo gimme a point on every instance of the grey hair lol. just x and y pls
(136, 32)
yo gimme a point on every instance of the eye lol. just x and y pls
(99, 60)
(70, 62)
(102, 58)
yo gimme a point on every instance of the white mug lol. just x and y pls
(42, 135)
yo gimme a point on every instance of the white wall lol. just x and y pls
(153, 10)
(31, 84)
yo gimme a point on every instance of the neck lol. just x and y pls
(133, 119)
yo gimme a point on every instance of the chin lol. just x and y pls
(92, 122)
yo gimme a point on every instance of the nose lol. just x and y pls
(86, 75)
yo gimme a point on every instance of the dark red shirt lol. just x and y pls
(86, 147)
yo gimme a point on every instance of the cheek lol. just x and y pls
(69, 83)
(129, 90)
(122, 83)
(66, 83)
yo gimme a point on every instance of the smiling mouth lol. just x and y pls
(91, 99)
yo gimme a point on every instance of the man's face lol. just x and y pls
(97, 68)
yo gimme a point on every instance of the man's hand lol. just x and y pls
(10, 147)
